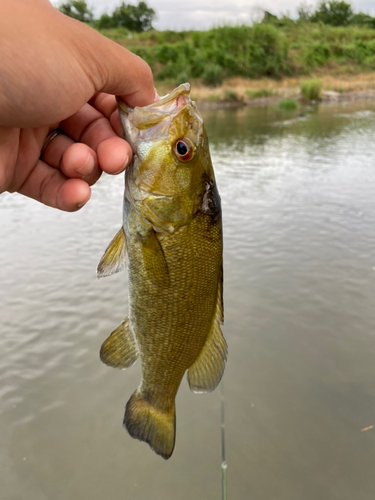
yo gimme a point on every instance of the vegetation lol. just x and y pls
(288, 105)
(77, 9)
(311, 89)
(135, 18)
(213, 75)
(231, 95)
(333, 39)
(254, 94)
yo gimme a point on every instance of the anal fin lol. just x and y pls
(120, 349)
(113, 259)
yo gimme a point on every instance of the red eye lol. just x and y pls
(184, 149)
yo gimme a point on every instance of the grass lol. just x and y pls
(254, 94)
(231, 95)
(288, 105)
(311, 90)
(284, 88)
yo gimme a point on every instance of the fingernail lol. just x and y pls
(156, 97)
(87, 167)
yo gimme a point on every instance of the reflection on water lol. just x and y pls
(299, 214)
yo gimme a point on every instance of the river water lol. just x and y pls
(298, 196)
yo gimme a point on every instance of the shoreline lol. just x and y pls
(327, 96)
(238, 92)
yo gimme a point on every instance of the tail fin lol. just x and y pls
(147, 423)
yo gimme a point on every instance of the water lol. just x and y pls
(299, 214)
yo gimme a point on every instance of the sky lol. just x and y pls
(203, 14)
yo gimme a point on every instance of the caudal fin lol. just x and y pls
(147, 423)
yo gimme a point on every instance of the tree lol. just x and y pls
(133, 17)
(77, 9)
(334, 13)
(304, 12)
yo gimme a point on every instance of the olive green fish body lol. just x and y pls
(173, 234)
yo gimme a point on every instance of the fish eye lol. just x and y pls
(184, 149)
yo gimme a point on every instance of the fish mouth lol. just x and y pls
(176, 96)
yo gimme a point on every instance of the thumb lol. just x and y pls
(114, 69)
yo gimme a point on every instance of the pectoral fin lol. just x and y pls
(120, 349)
(114, 257)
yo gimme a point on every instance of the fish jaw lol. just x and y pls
(164, 189)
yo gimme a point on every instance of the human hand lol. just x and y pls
(58, 73)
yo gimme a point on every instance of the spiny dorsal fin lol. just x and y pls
(120, 349)
(113, 259)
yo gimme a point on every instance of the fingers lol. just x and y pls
(74, 160)
(49, 186)
(93, 128)
(114, 155)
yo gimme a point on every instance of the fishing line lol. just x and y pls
(223, 464)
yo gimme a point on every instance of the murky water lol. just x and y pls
(298, 196)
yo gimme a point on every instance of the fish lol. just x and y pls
(172, 245)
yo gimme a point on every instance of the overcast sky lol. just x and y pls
(202, 14)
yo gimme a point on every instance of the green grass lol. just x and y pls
(231, 95)
(253, 94)
(213, 98)
(288, 105)
(311, 90)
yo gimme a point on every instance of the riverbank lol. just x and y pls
(242, 91)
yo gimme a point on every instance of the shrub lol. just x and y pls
(182, 77)
(336, 13)
(231, 95)
(311, 89)
(213, 75)
(288, 105)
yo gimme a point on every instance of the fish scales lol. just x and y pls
(172, 236)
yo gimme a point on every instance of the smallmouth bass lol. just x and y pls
(172, 241)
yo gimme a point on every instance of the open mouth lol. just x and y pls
(178, 98)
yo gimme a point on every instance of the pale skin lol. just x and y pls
(57, 72)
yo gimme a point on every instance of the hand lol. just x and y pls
(58, 73)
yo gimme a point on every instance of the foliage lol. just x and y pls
(333, 12)
(311, 89)
(254, 94)
(213, 75)
(135, 18)
(231, 95)
(182, 77)
(77, 9)
(304, 12)
(288, 105)
(250, 51)
(275, 47)
(362, 19)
